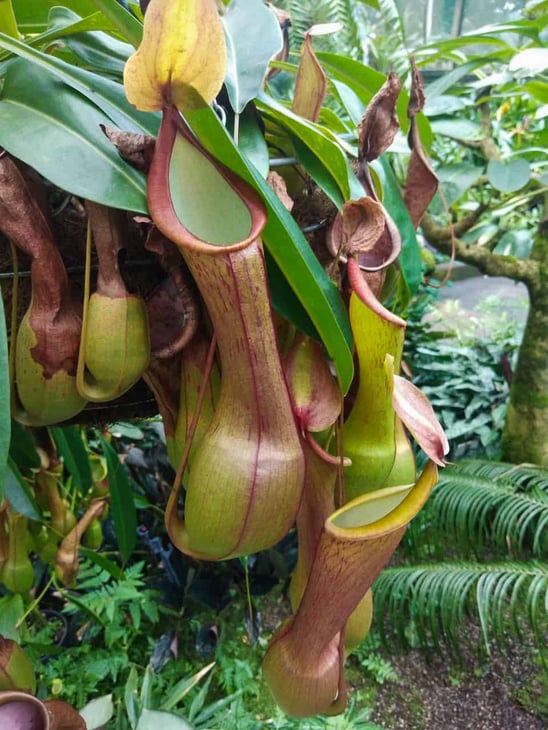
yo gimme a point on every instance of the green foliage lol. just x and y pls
(468, 557)
(351, 15)
(79, 102)
(123, 506)
(373, 664)
(459, 363)
(502, 510)
(115, 622)
(120, 609)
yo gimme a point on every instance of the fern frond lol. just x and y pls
(482, 505)
(435, 601)
(526, 476)
(392, 52)
(305, 14)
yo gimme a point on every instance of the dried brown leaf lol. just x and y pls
(357, 229)
(310, 85)
(379, 124)
(422, 182)
(137, 149)
(277, 183)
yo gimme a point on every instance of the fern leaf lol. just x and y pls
(478, 509)
(436, 600)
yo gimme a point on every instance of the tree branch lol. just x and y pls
(439, 234)
(482, 258)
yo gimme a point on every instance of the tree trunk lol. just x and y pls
(525, 437)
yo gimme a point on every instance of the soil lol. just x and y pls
(505, 693)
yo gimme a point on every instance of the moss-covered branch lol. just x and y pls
(482, 258)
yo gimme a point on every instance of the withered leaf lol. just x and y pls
(310, 85)
(277, 183)
(173, 307)
(386, 249)
(137, 149)
(422, 182)
(357, 228)
(416, 97)
(379, 124)
(284, 19)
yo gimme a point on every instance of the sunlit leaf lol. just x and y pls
(530, 62)
(245, 21)
(456, 128)
(152, 719)
(32, 16)
(98, 712)
(84, 163)
(509, 176)
(8, 23)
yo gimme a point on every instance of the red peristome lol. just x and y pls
(362, 290)
(159, 195)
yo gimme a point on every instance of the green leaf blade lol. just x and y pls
(122, 505)
(71, 447)
(129, 27)
(73, 153)
(409, 260)
(19, 494)
(247, 61)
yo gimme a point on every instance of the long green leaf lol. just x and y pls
(107, 95)
(183, 687)
(215, 707)
(94, 22)
(32, 16)
(71, 447)
(5, 420)
(121, 501)
(19, 494)
(318, 140)
(8, 24)
(73, 152)
(247, 61)
(410, 258)
(98, 50)
(317, 171)
(130, 28)
(23, 448)
(289, 251)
